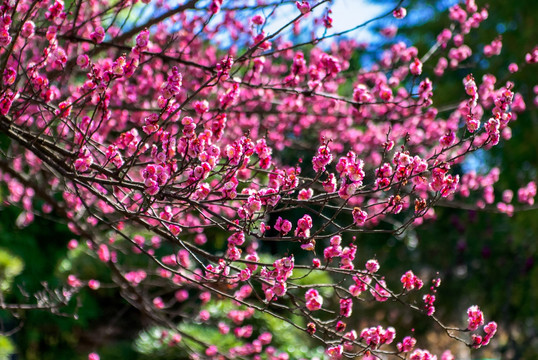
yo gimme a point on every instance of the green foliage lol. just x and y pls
(6, 348)
(286, 337)
(10, 267)
(99, 322)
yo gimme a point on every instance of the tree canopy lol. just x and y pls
(237, 179)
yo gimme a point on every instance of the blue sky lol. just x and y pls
(346, 14)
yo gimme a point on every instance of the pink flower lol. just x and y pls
(420, 354)
(407, 344)
(135, 277)
(304, 7)
(470, 85)
(410, 281)
(83, 61)
(329, 185)
(399, 13)
(304, 225)
(72, 244)
(171, 88)
(532, 57)
(359, 216)
(490, 328)
(376, 336)
(5, 38)
(257, 19)
(322, 159)
(346, 307)
(456, 13)
(314, 301)
(448, 139)
(223, 328)
(476, 341)
(527, 193)
(340, 326)
(494, 48)
(211, 350)
(429, 300)
(98, 35)
(73, 281)
(158, 303)
(201, 107)
(28, 29)
(327, 19)
(94, 284)
(416, 67)
(475, 317)
(176, 339)
(142, 39)
(389, 31)
(379, 292)
(103, 253)
(347, 190)
(205, 297)
(265, 338)
(513, 67)
(372, 266)
(215, 5)
(444, 36)
(10, 74)
(335, 352)
(204, 315)
(305, 194)
(286, 227)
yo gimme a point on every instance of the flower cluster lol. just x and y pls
(377, 336)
